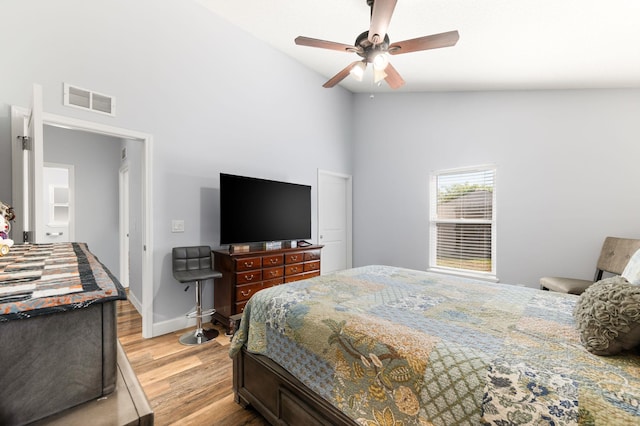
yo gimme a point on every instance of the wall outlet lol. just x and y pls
(177, 225)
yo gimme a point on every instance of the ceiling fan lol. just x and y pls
(374, 47)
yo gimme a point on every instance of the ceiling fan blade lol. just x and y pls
(324, 44)
(434, 41)
(340, 76)
(381, 12)
(393, 78)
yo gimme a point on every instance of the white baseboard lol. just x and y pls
(168, 326)
(176, 324)
(135, 302)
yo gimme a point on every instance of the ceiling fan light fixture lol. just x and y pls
(380, 60)
(378, 75)
(358, 71)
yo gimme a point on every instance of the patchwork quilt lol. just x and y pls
(391, 346)
(37, 279)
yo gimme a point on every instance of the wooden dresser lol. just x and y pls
(244, 274)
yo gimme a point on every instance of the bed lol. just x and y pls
(381, 345)
(58, 331)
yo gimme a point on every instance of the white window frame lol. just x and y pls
(434, 220)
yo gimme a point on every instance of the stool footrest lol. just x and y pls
(202, 314)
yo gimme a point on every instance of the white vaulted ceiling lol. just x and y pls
(504, 44)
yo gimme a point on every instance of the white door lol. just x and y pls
(334, 220)
(27, 159)
(57, 199)
(20, 166)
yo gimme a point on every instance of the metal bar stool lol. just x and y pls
(193, 264)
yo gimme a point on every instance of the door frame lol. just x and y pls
(124, 211)
(147, 191)
(349, 210)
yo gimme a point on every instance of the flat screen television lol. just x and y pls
(256, 210)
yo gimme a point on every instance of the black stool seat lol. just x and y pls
(195, 275)
(193, 264)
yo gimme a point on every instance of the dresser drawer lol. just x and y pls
(311, 266)
(298, 268)
(248, 263)
(269, 273)
(312, 255)
(240, 306)
(298, 277)
(273, 282)
(248, 277)
(311, 274)
(273, 260)
(244, 292)
(294, 257)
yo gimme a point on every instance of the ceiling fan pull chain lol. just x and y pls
(372, 95)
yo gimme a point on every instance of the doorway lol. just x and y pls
(23, 118)
(96, 160)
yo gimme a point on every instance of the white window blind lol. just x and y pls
(462, 221)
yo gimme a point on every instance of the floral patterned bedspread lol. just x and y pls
(391, 346)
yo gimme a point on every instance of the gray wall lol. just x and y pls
(214, 98)
(567, 174)
(96, 160)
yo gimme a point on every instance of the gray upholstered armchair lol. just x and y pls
(614, 256)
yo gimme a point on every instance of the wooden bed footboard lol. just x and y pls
(278, 396)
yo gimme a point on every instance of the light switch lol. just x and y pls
(177, 225)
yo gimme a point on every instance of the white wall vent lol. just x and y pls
(88, 100)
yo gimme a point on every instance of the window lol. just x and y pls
(462, 225)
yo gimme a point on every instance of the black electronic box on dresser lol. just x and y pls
(246, 273)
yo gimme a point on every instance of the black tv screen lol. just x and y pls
(258, 210)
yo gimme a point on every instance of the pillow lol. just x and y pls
(607, 316)
(632, 270)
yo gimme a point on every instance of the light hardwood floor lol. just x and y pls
(186, 385)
